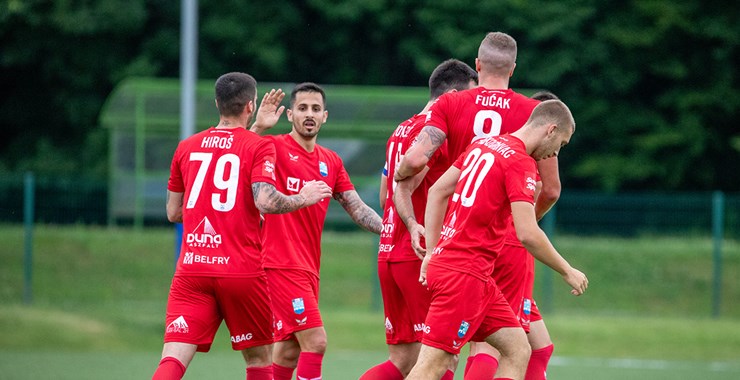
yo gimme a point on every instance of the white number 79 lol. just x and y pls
(229, 184)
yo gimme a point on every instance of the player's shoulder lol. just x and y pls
(523, 100)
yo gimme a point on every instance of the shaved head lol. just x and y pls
(497, 54)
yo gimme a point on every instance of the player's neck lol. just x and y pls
(308, 143)
(230, 123)
(494, 83)
(428, 106)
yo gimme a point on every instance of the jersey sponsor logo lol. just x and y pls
(421, 327)
(293, 157)
(448, 230)
(387, 230)
(323, 169)
(531, 182)
(217, 142)
(527, 306)
(268, 169)
(298, 306)
(178, 326)
(388, 326)
(385, 248)
(188, 258)
(463, 329)
(492, 101)
(294, 184)
(241, 338)
(203, 236)
(204, 259)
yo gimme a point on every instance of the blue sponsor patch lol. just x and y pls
(527, 306)
(463, 329)
(298, 306)
(323, 169)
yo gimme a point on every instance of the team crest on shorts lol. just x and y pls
(298, 306)
(323, 169)
(463, 329)
(527, 307)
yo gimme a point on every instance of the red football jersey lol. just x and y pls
(293, 240)
(494, 172)
(465, 116)
(215, 170)
(395, 241)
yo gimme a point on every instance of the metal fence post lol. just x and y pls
(718, 228)
(28, 212)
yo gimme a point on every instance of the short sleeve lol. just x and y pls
(175, 184)
(521, 181)
(263, 163)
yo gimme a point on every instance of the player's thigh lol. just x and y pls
(192, 315)
(295, 303)
(245, 306)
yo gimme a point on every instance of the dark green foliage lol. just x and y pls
(653, 84)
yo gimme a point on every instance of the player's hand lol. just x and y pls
(417, 240)
(269, 112)
(315, 191)
(577, 280)
(423, 270)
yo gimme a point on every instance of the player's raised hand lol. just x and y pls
(269, 112)
(315, 191)
(417, 237)
(577, 280)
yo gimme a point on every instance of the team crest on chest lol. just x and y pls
(323, 169)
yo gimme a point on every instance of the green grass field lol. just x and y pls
(99, 296)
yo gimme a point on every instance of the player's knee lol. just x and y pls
(259, 356)
(316, 344)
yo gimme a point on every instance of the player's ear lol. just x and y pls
(477, 65)
(511, 73)
(289, 113)
(326, 116)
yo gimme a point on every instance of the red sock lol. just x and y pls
(309, 365)
(282, 373)
(383, 371)
(259, 373)
(503, 378)
(169, 369)
(483, 367)
(538, 363)
(449, 375)
(468, 363)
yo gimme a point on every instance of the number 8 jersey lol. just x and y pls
(215, 170)
(495, 172)
(466, 116)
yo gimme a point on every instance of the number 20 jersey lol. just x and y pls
(495, 172)
(215, 169)
(465, 116)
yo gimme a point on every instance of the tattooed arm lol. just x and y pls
(270, 201)
(360, 212)
(417, 156)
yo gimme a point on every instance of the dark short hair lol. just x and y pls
(450, 74)
(307, 87)
(544, 95)
(233, 92)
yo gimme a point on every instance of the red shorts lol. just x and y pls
(197, 305)
(295, 301)
(405, 301)
(513, 273)
(463, 308)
